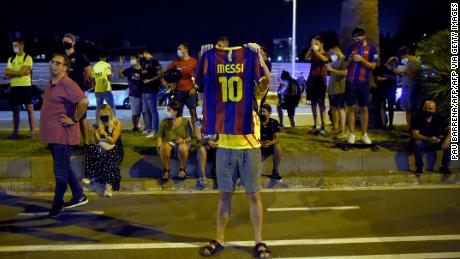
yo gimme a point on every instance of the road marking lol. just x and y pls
(294, 242)
(389, 256)
(314, 208)
(68, 212)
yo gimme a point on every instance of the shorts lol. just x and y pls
(136, 105)
(316, 89)
(184, 98)
(267, 151)
(338, 100)
(21, 95)
(357, 92)
(408, 100)
(246, 161)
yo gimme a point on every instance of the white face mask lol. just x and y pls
(169, 116)
(133, 62)
(16, 50)
(404, 61)
(180, 54)
(334, 58)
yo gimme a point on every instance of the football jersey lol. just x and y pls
(357, 72)
(227, 77)
(101, 72)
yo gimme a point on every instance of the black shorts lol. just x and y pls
(316, 89)
(184, 98)
(267, 151)
(21, 95)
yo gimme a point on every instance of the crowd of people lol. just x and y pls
(351, 73)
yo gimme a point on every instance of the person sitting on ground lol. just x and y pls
(103, 159)
(270, 135)
(430, 132)
(173, 137)
(206, 148)
(336, 91)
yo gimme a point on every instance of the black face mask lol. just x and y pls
(427, 114)
(263, 118)
(67, 45)
(104, 118)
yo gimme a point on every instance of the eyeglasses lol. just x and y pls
(56, 63)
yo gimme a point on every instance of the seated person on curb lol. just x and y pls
(174, 135)
(103, 160)
(430, 132)
(206, 147)
(270, 135)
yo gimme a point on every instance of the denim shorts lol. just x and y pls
(245, 161)
(136, 105)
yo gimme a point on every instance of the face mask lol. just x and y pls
(428, 114)
(404, 61)
(133, 62)
(104, 118)
(263, 117)
(55, 70)
(16, 50)
(180, 54)
(334, 58)
(67, 45)
(169, 116)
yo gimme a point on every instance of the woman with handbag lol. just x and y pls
(103, 159)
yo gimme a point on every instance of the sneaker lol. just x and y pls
(314, 130)
(14, 136)
(136, 131)
(76, 202)
(202, 182)
(85, 181)
(445, 170)
(276, 176)
(322, 131)
(351, 138)
(365, 138)
(145, 132)
(56, 211)
(108, 190)
(150, 135)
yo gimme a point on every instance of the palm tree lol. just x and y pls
(364, 13)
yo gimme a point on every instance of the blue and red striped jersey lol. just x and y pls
(227, 77)
(357, 72)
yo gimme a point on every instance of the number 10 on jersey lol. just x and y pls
(228, 88)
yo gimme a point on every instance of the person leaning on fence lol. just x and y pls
(103, 159)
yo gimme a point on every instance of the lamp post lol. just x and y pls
(294, 25)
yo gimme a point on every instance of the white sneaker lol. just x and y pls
(351, 138)
(366, 139)
(150, 135)
(108, 190)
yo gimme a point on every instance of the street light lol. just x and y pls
(294, 25)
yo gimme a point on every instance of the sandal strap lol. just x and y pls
(212, 248)
(259, 251)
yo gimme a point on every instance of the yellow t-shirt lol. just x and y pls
(101, 71)
(245, 141)
(16, 64)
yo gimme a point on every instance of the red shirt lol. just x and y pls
(317, 66)
(61, 98)
(186, 68)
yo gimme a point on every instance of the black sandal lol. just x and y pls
(165, 176)
(212, 248)
(261, 251)
(182, 177)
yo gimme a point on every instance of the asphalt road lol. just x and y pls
(303, 117)
(399, 223)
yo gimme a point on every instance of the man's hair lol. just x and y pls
(70, 36)
(184, 44)
(267, 107)
(222, 38)
(319, 38)
(18, 40)
(146, 50)
(103, 54)
(285, 75)
(403, 51)
(358, 31)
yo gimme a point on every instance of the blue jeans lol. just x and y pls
(64, 174)
(419, 146)
(108, 97)
(150, 110)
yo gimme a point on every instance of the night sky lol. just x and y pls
(160, 24)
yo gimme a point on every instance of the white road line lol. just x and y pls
(73, 213)
(294, 242)
(388, 256)
(314, 208)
